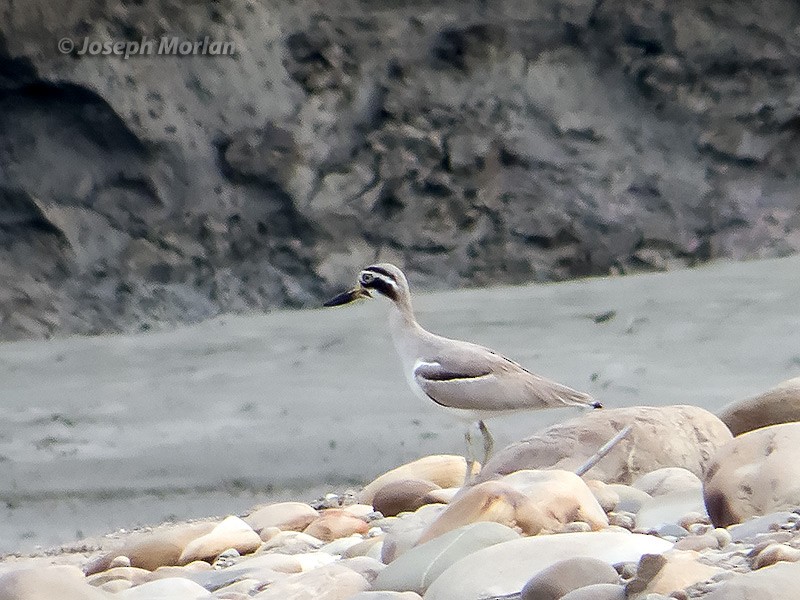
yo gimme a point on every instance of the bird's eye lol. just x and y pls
(367, 278)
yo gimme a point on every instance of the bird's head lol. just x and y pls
(383, 279)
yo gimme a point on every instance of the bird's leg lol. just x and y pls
(469, 457)
(488, 442)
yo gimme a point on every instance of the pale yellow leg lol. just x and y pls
(488, 442)
(469, 457)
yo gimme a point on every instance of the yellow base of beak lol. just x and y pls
(348, 297)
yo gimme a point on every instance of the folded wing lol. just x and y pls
(476, 378)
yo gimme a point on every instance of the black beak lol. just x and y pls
(348, 297)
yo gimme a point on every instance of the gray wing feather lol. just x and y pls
(476, 378)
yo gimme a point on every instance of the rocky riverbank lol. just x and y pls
(650, 520)
(100, 433)
(119, 431)
(471, 144)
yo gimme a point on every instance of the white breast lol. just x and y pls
(468, 416)
(410, 343)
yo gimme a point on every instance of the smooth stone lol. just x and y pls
(334, 524)
(598, 591)
(115, 585)
(120, 561)
(368, 568)
(404, 531)
(160, 547)
(268, 533)
(774, 553)
(491, 501)
(698, 543)
(670, 530)
(171, 588)
(265, 568)
(560, 494)
(627, 569)
(667, 480)
(722, 536)
(757, 525)
(403, 495)
(312, 560)
(505, 568)
(442, 470)
(386, 596)
(780, 404)
(419, 567)
(442, 496)
(362, 511)
(695, 519)
(232, 532)
(49, 583)
(371, 547)
(605, 495)
(669, 509)
(669, 572)
(331, 582)
(769, 583)
(754, 474)
(625, 520)
(226, 558)
(342, 545)
(189, 571)
(286, 516)
(694, 434)
(132, 574)
(630, 499)
(292, 542)
(244, 587)
(567, 575)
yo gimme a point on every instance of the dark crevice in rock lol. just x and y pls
(15, 71)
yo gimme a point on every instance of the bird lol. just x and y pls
(466, 379)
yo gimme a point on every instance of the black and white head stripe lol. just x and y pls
(381, 280)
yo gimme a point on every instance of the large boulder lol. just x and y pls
(160, 547)
(62, 582)
(493, 501)
(419, 567)
(756, 473)
(567, 575)
(560, 495)
(770, 583)
(506, 567)
(667, 573)
(665, 436)
(781, 404)
(442, 470)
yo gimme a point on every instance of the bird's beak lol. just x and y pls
(348, 297)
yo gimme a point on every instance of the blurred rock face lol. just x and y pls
(532, 141)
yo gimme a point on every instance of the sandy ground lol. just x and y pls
(111, 432)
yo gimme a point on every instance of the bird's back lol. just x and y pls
(459, 374)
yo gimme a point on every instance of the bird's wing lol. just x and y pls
(475, 378)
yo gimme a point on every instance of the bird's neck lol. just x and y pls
(405, 329)
(401, 316)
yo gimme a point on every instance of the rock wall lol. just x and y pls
(473, 143)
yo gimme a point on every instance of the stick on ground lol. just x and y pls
(604, 449)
